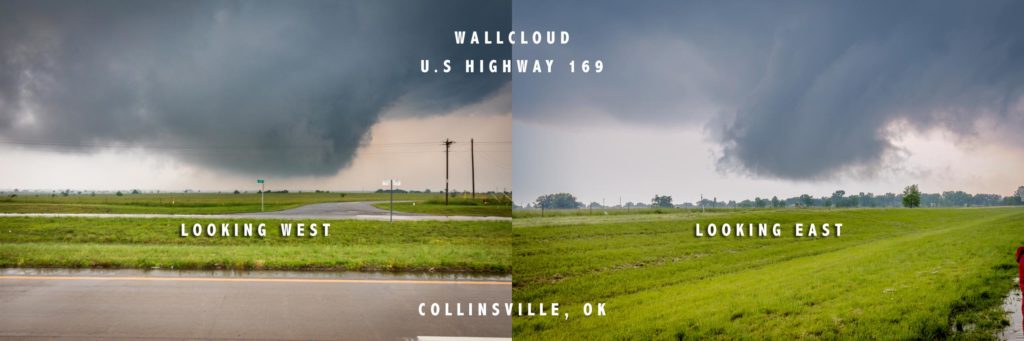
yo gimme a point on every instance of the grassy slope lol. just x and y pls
(895, 273)
(352, 245)
(191, 203)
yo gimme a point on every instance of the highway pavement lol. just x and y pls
(129, 304)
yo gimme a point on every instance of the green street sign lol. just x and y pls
(259, 181)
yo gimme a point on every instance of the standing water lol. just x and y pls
(1012, 307)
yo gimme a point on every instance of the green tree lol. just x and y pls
(558, 200)
(662, 201)
(806, 200)
(837, 198)
(911, 196)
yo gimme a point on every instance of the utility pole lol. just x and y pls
(391, 183)
(447, 146)
(472, 166)
(391, 208)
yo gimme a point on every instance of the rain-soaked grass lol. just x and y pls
(182, 203)
(893, 274)
(451, 246)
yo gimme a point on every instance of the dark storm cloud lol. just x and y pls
(795, 90)
(275, 88)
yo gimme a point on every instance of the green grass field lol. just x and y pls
(586, 212)
(478, 246)
(466, 207)
(894, 274)
(224, 203)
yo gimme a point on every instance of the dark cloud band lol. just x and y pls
(789, 89)
(295, 86)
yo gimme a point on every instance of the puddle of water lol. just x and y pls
(250, 274)
(1011, 305)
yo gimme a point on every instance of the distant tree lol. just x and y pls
(120, 194)
(982, 199)
(956, 198)
(135, 191)
(775, 201)
(557, 201)
(237, 192)
(806, 200)
(911, 196)
(594, 204)
(867, 199)
(662, 201)
(1012, 200)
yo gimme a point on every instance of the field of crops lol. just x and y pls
(893, 274)
(478, 246)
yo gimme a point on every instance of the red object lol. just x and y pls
(1020, 264)
(1020, 272)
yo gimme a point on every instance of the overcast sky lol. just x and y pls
(739, 99)
(214, 94)
(727, 99)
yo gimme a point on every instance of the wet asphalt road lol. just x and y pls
(216, 307)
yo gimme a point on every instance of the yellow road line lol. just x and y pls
(247, 280)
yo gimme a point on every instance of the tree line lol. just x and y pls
(911, 196)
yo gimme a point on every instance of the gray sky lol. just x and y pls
(740, 99)
(407, 148)
(213, 94)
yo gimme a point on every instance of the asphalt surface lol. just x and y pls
(360, 210)
(134, 306)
